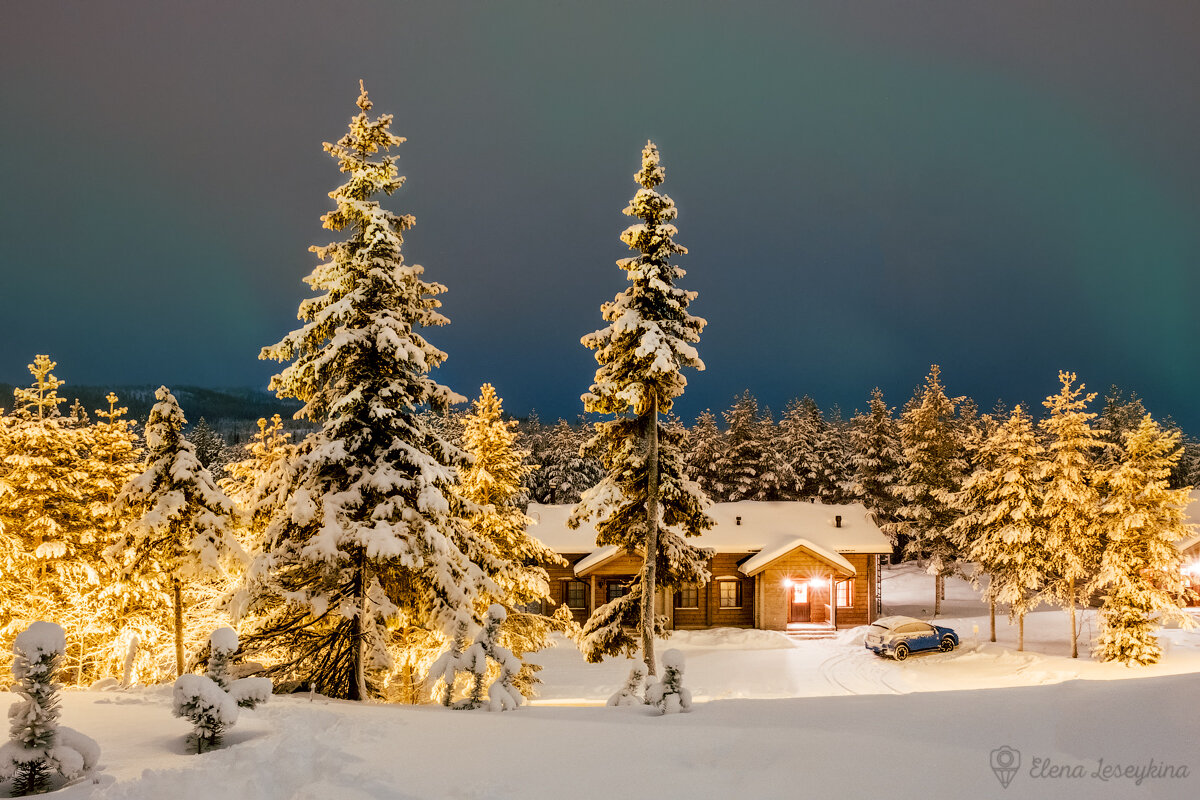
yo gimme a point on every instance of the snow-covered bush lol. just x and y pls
(207, 706)
(39, 746)
(669, 695)
(631, 692)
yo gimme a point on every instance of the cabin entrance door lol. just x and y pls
(799, 609)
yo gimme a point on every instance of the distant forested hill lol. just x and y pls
(231, 412)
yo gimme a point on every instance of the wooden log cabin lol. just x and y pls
(774, 565)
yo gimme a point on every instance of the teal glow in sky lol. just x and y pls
(865, 188)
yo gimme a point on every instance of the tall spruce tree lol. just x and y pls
(645, 503)
(182, 525)
(1002, 524)
(1072, 500)
(749, 466)
(493, 482)
(933, 472)
(703, 451)
(877, 460)
(44, 505)
(834, 460)
(1140, 579)
(801, 431)
(373, 529)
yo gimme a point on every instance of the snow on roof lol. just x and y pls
(765, 557)
(741, 527)
(596, 559)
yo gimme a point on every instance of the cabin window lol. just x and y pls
(688, 597)
(576, 594)
(730, 594)
(845, 593)
(615, 589)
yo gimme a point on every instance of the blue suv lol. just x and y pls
(899, 636)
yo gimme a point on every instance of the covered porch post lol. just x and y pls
(833, 601)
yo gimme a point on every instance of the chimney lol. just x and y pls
(837, 521)
(737, 520)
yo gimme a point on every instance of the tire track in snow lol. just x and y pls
(873, 680)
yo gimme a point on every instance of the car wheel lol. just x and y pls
(901, 652)
(947, 644)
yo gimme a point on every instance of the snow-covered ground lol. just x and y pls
(773, 718)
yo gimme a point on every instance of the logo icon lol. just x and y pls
(1006, 761)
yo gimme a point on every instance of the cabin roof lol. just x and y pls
(769, 529)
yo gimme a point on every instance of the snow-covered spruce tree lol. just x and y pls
(210, 709)
(749, 466)
(877, 460)
(210, 448)
(645, 503)
(669, 695)
(1140, 580)
(1072, 501)
(503, 694)
(1002, 524)
(43, 502)
(105, 612)
(492, 481)
(835, 469)
(45, 509)
(568, 472)
(800, 433)
(703, 448)
(933, 472)
(1119, 417)
(372, 529)
(39, 746)
(182, 525)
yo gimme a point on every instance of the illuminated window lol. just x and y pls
(576, 594)
(730, 594)
(845, 594)
(688, 597)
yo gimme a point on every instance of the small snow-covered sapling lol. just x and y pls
(40, 747)
(631, 692)
(445, 668)
(207, 706)
(669, 695)
(503, 694)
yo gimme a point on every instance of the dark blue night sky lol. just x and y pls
(1004, 188)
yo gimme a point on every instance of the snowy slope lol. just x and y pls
(774, 718)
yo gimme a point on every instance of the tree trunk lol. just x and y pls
(651, 552)
(177, 587)
(1021, 632)
(1074, 637)
(992, 617)
(357, 689)
(937, 594)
